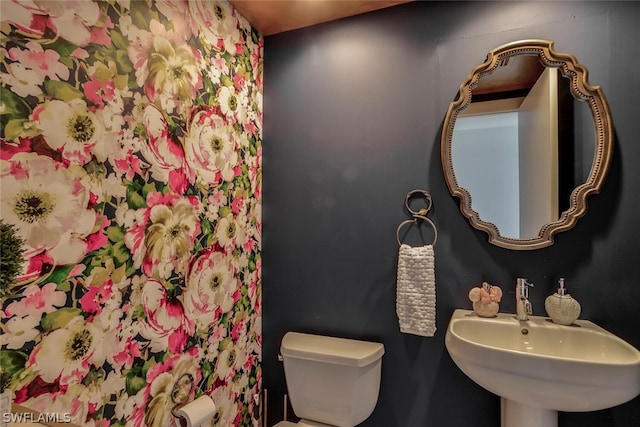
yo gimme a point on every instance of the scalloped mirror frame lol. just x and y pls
(581, 89)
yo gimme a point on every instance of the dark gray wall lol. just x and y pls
(353, 116)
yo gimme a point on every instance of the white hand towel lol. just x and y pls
(416, 290)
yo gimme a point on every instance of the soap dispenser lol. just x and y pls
(561, 307)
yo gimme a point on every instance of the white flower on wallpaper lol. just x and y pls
(49, 205)
(66, 354)
(24, 82)
(131, 166)
(210, 148)
(211, 288)
(70, 128)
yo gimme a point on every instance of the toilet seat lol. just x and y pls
(302, 423)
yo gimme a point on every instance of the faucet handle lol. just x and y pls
(522, 287)
(522, 281)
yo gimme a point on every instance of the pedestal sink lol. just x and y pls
(538, 367)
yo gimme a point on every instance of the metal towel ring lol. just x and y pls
(423, 211)
(415, 219)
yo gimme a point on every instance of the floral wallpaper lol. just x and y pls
(131, 166)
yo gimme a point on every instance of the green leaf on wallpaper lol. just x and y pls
(59, 274)
(135, 200)
(115, 233)
(253, 149)
(208, 373)
(209, 87)
(224, 211)
(148, 365)
(252, 264)
(12, 361)
(131, 270)
(66, 61)
(61, 90)
(141, 15)
(15, 128)
(226, 80)
(64, 48)
(120, 253)
(59, 318)
(138, 312)
(134, 384)
(244, 179)
(149, 187)
(64, 287)
(12, 105)
(207, 369)
(124, 64)
(224, 343)
(206, 226)
(255, 37)
(118, 41)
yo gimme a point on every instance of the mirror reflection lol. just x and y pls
(524, 144)
(518, 146)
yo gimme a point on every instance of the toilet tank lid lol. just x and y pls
(340, 351)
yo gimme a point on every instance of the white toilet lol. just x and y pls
(331, 381)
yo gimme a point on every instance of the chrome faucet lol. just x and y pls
(523, 306)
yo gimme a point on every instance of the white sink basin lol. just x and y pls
(540, 364)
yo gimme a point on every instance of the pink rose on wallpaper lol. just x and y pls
(211, 288)
(36, 262)
(124, 356)
(71, 20)
(49, 205)
(99, 92)
(96, 296)
(165, 154)
(28, 17)
(177, 13)
(165, 326)
(129, 165)
(163, 239)
(210, 148)
(217, 24)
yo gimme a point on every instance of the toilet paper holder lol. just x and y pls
(182, 389)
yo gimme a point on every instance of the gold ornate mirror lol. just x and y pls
(525, 143)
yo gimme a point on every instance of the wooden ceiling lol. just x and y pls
(276, 16)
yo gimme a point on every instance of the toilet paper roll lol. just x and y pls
(197, 412)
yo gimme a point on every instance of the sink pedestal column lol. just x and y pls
(515, 414)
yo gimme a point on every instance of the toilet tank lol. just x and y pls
(331, 380)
